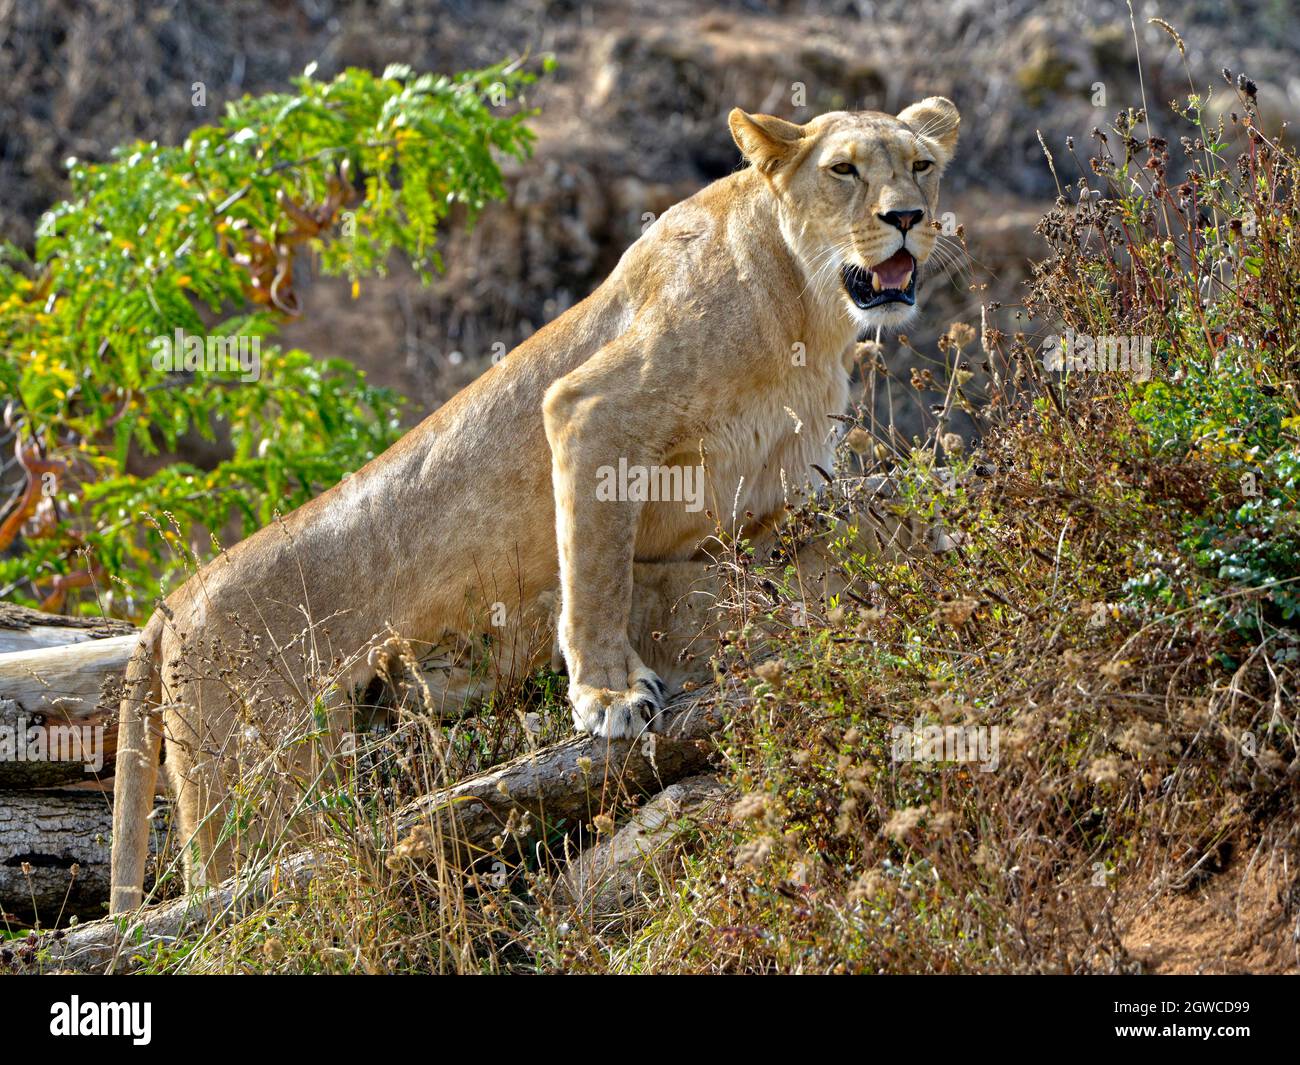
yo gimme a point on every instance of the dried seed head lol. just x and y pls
(750, 807)
(957, 612)
(902, 823)
(960, 334)
(1182, 48)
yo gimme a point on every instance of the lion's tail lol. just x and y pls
(139, 739)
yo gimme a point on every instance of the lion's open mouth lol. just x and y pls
(893, 281)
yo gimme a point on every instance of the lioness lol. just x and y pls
(718, 346)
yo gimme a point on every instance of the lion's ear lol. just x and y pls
(766, 141)
(935, 118)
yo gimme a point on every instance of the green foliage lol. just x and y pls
(1204, 264)
(201, 238)
(1247, 536)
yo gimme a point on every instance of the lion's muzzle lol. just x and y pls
(891, 281)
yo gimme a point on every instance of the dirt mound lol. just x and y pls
(1242, 920)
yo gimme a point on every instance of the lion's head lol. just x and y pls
(859, 192)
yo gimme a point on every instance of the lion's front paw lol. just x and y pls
(621, 714)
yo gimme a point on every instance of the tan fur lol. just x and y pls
(721, 338)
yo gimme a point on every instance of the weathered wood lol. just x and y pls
(607, 877)
(54, 856)
(111, 945)
(567, 782)
(54, 726)
(24, 629)
(561, 785)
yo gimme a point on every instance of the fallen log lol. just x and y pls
(607, 878)
(563, 784)
(110, 945)
(567, 782)
(54, 848)
(55, 716)
(24, 629)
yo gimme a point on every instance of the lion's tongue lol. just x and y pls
(894, 272)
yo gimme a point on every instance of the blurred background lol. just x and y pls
(633, 120)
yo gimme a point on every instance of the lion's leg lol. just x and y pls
(594, 420)
(235, 777)
(190, 769)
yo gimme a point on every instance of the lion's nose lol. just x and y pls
(901, 220)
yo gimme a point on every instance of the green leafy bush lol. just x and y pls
(148, 307)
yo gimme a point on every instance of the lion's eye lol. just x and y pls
(921, 166)
(844, 168)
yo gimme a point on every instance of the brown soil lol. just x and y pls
(1242, 920)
